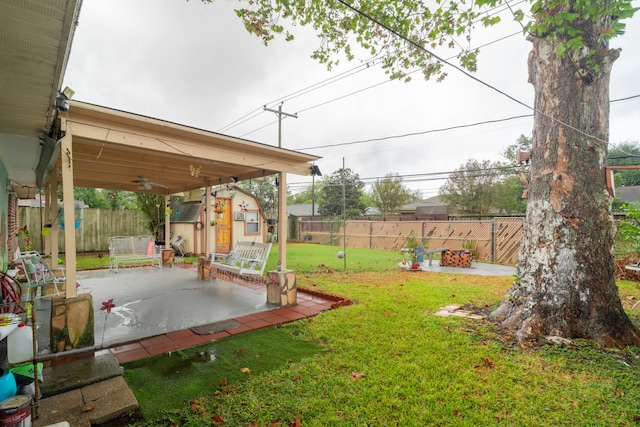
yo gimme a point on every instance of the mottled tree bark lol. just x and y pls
(566, 277)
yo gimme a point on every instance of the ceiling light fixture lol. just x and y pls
(195, 170)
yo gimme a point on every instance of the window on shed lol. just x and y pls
(251, 223)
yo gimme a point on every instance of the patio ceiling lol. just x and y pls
(35, 40)
(111, 149)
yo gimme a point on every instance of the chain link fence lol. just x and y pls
(496, 240)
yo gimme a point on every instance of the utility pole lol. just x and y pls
(281, 230)
(280, 113)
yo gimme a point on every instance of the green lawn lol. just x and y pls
(387, 360)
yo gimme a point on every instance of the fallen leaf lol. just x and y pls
(239, 351)
(357, 375)
(488, 362)
(297, 378)
(196, 407)
(457, 413)
(618, 393)
(217, 392)
(88, 409)
(574, 403)
(245, 370)
(217, 420)
(222, 383)
(295, 423)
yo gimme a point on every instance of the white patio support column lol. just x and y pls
(207, 221)
(167, 222)
(51, 215)
(281, 284)
(47, 213)
(282, 220)
(68, 206)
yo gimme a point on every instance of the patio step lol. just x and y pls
(84, 392)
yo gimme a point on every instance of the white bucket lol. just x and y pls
(16, 411)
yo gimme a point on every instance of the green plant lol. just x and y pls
(469, 245)
(26, 236)
(629, 229)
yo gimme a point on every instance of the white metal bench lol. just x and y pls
(245, 258)
(133, 250)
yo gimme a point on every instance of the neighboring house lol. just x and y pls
(302, 210)
(428, 209)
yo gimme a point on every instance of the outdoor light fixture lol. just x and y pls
(315, 170)
(62, 97)
(234, 178)
(68, 92)
(195, 170)
(61, 102)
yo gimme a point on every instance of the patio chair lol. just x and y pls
(38, 274)
(179, 245)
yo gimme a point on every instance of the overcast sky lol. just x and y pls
(195, 64)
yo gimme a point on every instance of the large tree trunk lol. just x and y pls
(566, 278)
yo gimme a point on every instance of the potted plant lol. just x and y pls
(470, 246)
(219, 209)
(415, 249)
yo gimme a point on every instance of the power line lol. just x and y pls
(439, 176)
(467, 74)
(348, 73)
(434, 176)
(441, 129)
(419, 133)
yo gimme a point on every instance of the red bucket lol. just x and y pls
(16, 411)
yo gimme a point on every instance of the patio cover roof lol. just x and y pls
(112, 148)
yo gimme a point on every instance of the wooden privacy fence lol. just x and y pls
(496, 240)
(93, 232)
